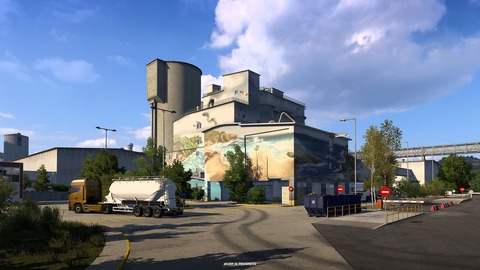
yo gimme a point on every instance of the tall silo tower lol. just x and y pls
(15, 146)
(173, 88)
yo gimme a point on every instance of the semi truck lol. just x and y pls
(142, 196)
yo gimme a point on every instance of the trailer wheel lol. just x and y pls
(78, 208)
(147, 212)
(157, 212)
(107, 209)
(137, 211)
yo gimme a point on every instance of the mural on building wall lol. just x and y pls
(271, 155)
(318, 161)
(189, 151)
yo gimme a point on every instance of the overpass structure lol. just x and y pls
(438, 150)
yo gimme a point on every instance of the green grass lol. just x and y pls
(37, 238)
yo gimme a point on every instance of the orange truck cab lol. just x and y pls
(84, 195)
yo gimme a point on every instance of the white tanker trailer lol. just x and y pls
(147, 196)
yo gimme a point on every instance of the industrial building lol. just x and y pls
(64, 164)
(269, 126)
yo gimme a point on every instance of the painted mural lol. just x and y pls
(189, 150)
(271, 155)
(319, 161)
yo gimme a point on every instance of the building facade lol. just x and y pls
(64, 164)
(269, 127)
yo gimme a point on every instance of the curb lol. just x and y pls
(127, 252)
(264, 205)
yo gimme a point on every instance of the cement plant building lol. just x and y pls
(269, 126)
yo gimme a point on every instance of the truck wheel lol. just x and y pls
(106, 209)
(78, 208)
(147, 212)
(137, 211)
(157, 212)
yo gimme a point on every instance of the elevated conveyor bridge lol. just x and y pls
(439, 150)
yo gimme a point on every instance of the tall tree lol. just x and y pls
(238, 178)
(377, 154)
(152, 164)
(180, 177)
(103, 167)
(42, 181)
(455, 170)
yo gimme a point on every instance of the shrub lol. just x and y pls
(256, 195)
(198, 193)
(59, 187)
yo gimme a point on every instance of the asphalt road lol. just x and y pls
(218, 236)
(445, 239)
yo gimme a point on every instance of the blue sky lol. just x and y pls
(69, 66)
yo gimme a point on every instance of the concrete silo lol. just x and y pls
(15, 146)
(173, 88)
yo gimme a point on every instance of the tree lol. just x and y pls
(238, 178)
(455, 170)
(103, 167)
(407, 189)
(6, 190)
(475, 182)
(180, 177)
(27, 182)
(377, 155)
(437, 187)
(42, 183)
(152, 164)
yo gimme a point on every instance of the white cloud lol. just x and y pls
(77, 71)
(123, 61)
(57, 35)
(209, 79)
(73, 11)
(12, 66)
(111, 143)
(345, 57)
(6, 115)
(143, 133)
(7, 7)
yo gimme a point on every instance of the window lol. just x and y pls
(199, 125)
(74, 189)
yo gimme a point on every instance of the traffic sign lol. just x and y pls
(340, 189)
(462, 189)
(385, 192)
(290, 188)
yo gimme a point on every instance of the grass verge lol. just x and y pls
(34, 237)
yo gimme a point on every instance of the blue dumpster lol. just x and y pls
(314, 205)
(317, 205)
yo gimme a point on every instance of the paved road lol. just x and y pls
(217, 236)
(445, 239)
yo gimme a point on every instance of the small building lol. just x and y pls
(12, 173)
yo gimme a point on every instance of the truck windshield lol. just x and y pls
(74, 189)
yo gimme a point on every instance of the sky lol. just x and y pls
(69, 66)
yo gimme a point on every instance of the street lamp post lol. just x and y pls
(163, 129)
(355, 149)
(106, 131)
(408, 169)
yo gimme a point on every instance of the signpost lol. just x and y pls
(290, 189)
(340, 189)
(385, 192)
(462, 189)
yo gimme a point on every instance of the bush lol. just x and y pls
(198, 193)
(59, 187)
(256, 195)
